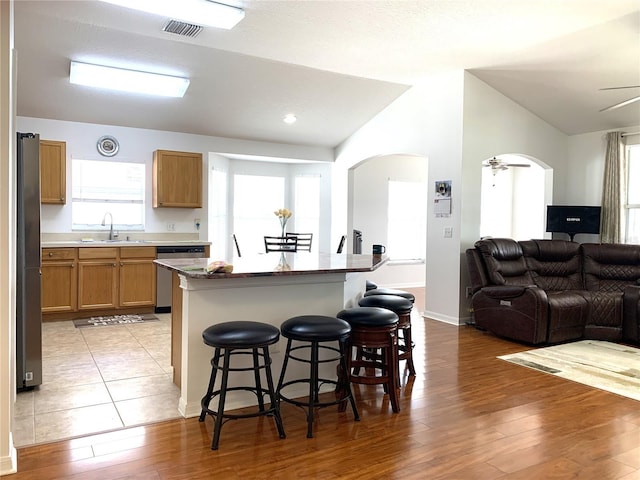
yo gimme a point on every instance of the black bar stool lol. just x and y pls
(371, 285)
(374, 329)
(232, 339)
(401, 307)
(390, 291)
(314, 330)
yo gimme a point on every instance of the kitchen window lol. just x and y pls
(255, 198)
(101, 186)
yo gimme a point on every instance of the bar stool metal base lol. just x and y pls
(261, 360)
(313, 330)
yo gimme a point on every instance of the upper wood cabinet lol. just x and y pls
(53, 172)
(177, 179)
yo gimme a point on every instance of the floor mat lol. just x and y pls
(605, 365)
(114, 320)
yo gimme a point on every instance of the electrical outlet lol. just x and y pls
(196, 222)
(448, 232)
(469, 292)
(171, 227)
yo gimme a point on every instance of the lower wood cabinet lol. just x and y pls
(97, 278)
(137, 277)
(59, 280)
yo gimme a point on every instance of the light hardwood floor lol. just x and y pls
(466, 415)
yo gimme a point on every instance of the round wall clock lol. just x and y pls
(108, 146)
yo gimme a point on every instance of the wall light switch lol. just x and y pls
(171, 227)
(448, 232)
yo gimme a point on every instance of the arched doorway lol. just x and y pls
(514, 195)
(382, 210)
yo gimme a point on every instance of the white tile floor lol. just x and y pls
(97, 379)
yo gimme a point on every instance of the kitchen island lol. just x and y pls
(267, 288)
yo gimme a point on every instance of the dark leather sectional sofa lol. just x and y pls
(553, 291)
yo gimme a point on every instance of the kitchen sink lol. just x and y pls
(119, 240)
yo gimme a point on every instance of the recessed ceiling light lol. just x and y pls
(123, 80)
(199, 12)
(290, 118)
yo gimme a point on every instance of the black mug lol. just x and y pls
(379, 249)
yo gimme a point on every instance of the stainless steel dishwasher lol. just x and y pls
(163, 278)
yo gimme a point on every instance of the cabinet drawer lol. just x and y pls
(137, 252)
(58, 254)
(97, 252)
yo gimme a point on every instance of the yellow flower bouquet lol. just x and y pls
(283, 214)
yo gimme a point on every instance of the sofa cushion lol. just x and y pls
(504, 261)
(555, 265)
(610, 267)
(568, 313)
(605, 317)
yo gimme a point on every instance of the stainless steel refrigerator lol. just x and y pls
(28, 275)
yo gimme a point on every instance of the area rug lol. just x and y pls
(604, 365)
(114, 320)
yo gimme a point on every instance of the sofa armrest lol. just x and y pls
(512, 291)
(512, 311)
(631, 313)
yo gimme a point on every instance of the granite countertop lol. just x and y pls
(277, 264)
(121, 243)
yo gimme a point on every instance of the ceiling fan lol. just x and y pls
(623, 103)
(498, 165)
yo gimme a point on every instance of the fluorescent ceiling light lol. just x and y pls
(199, 12)
(127, 80)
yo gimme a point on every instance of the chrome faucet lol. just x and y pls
(112, 236)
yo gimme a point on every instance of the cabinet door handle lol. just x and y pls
(113, 264)
(121, 264)
(51, 254)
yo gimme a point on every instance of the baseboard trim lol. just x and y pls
(9, 463)
(445, 319)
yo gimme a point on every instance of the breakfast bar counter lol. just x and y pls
(268, 288)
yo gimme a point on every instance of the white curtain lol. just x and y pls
(613, 190)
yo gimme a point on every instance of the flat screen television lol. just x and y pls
(573, 219)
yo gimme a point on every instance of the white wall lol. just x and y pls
(494, 124)
(136, 144)
(8, 456)
(425, 121)
(456, 121)
(585, 164)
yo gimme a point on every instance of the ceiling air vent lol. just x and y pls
(182, 28)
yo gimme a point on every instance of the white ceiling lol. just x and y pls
(335, 64)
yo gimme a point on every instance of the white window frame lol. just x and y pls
(633, 187)
(306, 208)
(255, 218)
(115, 201)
